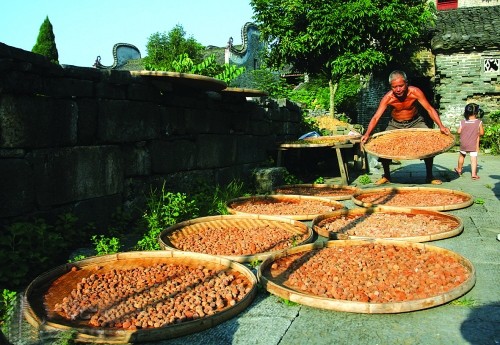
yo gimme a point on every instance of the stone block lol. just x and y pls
(172, 156)
(36, 122)
(267, 179)
(77, 173)
(17, 190)
(215, 151)
(136, 159)
(126, 121)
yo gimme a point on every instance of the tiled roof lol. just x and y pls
(467, 29)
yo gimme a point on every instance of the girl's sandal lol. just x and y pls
(475, 177)
(459, 172)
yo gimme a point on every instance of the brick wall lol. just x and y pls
(461, 79)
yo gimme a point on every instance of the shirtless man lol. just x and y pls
(404, 115)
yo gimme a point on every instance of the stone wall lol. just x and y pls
(87, 141)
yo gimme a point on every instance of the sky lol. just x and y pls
(84, 29)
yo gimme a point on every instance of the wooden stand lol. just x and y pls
(338, 147)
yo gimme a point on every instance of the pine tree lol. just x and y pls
(46, 42)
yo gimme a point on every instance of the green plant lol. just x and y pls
(27, 248)
(465, 302)
(489, 186)
(491, 139)
(291, 179)
(163, 210)
(479, 201)
(365, 179)
(106, 245)
(255, 263)
(77, 258)
(287, 302)
(46, 42)
(7, 306)
(319, 180)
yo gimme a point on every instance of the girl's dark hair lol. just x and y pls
(473, 109)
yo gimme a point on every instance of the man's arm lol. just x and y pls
(376, 117)
(430, 109)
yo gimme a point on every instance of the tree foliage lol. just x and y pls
(340, 38)
(46, 42)
(165, 48)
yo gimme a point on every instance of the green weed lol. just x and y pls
(319, 180)
(163, 210)
(255, 263)
(106, 245)
(465, 302)
(479, 201)
(287, 302)
(365, 179)
(7, 305)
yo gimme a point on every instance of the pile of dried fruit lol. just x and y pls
(387, 225)
(323, 191)
(156, 296)
(285, 207)
(232, 240)
(374, 272)
(411, 198)
(409, 144)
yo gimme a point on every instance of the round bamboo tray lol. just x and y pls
(46, 290)
(334, 139)
(194, 226)
(365, 214)
(275, 285)
(186, 79)
(407, 144)
(294, 201)
(329, 191)
(451, 199)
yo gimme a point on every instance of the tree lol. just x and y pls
(340, 38)
(164, 48)
(46, 42)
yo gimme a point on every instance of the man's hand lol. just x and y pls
(445, 130)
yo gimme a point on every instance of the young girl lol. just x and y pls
(470, 130)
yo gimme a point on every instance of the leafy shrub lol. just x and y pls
(106, 245)
(163, 210)
(7, 305)
(491, 138)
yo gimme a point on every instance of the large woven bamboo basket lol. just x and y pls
(193, 227)
(50, 287)
(407, 144)
(322, 190)
(429, 198)
(275, 284)
(296, 205)
(454, 224)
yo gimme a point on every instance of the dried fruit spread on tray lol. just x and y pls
(388, 224)
(152, 297)
(235, 240)
(374, 273)
(412, 198)
(409, 143)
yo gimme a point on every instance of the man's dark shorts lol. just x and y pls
(416, 122)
